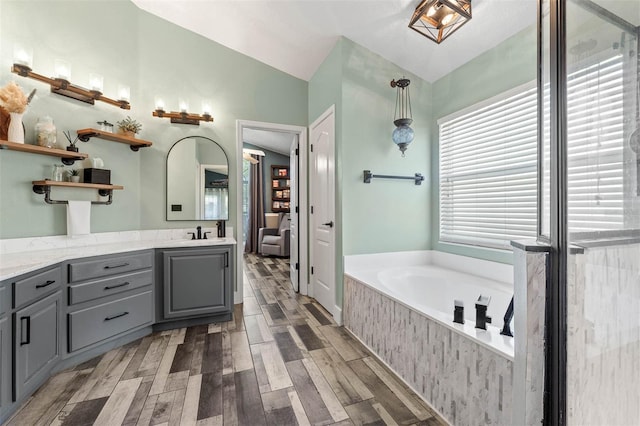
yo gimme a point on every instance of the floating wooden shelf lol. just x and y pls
(44, 187)
(68, 157)
(134, 143)
(76, 184)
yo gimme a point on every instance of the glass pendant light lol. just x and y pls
(403, 134)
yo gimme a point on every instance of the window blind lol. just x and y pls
(488, 185)
(488, 161)
(595, 144)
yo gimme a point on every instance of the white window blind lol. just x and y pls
(488, 185)
(595, 144)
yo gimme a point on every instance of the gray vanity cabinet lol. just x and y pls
(36, 343)
(197, 282)
(5, 349)
(107, 297)
(5, 362)
(31, 329)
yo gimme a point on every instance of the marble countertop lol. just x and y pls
(25, 255)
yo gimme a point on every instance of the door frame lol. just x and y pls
(303, 223)
(335, 310)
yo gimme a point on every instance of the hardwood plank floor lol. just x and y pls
(280, 361)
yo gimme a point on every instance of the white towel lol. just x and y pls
(78, 218)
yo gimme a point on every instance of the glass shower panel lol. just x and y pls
(603, 277)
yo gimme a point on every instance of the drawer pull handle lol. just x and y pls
(109, 287)
(116, 316)
(121, 265)
(26, 328)
(48, 283)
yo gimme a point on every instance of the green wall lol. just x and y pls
(325, 90)
(384, 215)
(508, 65)
(155, 58)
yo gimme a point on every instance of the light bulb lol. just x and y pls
(124, 93)
(62, 69)
(206, 108)
(184, 106)
(432, 11)
(159, 104)
(447, 19)
(96, 82)
(22, 56)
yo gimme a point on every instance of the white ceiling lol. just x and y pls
(279, 142)
(295, 36)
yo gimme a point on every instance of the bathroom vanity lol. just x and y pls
(77, 303)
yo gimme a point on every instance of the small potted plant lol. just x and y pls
(129, 127)
(74, 175)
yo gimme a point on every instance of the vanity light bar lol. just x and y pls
(182, 117)
(63, 87)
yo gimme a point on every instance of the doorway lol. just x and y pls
(247, 130)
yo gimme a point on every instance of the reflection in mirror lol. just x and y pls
(197, 180)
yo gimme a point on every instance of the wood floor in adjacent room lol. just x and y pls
(282, 361)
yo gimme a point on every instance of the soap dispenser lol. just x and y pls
(220, 225)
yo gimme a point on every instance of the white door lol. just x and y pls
(293, 208)
(322, 192)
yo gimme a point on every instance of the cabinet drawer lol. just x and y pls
(95, 289)
(100, 322)
(105, 266)
(30, 289)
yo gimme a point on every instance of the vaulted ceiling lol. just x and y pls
(295, 36)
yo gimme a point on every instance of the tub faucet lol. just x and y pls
(458, 311)
(508, 316)
(481, 312)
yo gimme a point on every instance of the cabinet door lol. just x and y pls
(36, 345)
(196, 282)
(5, 366)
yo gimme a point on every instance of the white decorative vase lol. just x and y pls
(15, 133)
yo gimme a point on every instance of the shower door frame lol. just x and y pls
(555, 394)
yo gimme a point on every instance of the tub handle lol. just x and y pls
(329, 224)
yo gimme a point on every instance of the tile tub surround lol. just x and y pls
(21, 255)
(603, 336)
(464, 381)
(383, 271)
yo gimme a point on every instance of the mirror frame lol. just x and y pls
(166, 179)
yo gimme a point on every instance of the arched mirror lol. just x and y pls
(197, 180)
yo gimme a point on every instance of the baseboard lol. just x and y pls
(337, 314)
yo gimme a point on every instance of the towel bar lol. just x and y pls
(417, 178)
